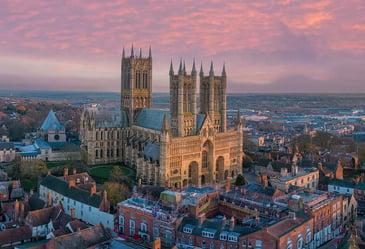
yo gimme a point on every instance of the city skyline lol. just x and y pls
(270, 46)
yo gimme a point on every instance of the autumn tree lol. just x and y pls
(117, 192)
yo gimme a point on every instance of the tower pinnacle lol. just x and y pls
(171, 69)
(211, 72)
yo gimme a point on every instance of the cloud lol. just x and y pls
(274, 38)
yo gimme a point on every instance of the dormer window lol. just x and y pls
(188, 229)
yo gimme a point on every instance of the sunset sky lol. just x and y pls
(267, 45)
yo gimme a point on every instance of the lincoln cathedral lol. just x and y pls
(188, 145)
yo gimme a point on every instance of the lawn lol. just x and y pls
(51, 165)
(104, 171)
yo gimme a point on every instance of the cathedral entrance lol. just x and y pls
(220, 168)
(193, 173)
(207, 162)
(202, 180)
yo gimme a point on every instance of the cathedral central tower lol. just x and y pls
(136, 83)
(183, 101)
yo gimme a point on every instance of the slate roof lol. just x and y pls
(153, 119)
(341, 183)
(61, 186)
(51, 122)
(39, 143)
(152, 151)
(108, 118)
(210, 225)
(360, 185)
(6, 146)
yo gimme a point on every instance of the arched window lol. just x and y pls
(205, 159)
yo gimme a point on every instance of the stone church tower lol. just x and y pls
(136, 83)
(213, 97)
(183, 101)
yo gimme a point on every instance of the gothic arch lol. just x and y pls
(193, 173)
(220, 168)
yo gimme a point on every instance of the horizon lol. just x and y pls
(286, 46)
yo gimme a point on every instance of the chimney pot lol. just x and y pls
(65, 172)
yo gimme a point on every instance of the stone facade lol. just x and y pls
(167, 148)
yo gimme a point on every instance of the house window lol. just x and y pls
(258, 243)
(144, 227)
(182, 240)
(244, 243)
(211, 246)
(190, 241)
(131, 227)
(203, 244)
(300, 243)
(249, 244)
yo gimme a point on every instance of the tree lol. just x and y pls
(240, 180)
(116, 192)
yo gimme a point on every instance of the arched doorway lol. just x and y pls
(208, 162)
(193, 173)
(202, 180)
(220, 168)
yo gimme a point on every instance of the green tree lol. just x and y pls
(240, 180)
(116, 192)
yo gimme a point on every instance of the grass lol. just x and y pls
(51, 165)
(104, 171)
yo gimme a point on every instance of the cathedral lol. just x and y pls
(188, 145)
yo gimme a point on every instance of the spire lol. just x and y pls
(165, 124)
(193, 70)
(180, 67)
(149, 52)
(224, 70)
(123, 53)
(184, 69)
(132, 52)
(171, 69)
(211, 72)
(140, 53)
(201, 73)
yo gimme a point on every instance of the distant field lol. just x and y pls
(104, 171)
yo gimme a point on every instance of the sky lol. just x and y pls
(266, 45)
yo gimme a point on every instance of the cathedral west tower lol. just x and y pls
(213, 97)
(136, 83)
(183, 101)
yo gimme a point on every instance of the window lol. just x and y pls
(144, 227)
(182, 240)
(249, 244)
(223, 236)
(203, 245)
(190, 241)
(258, 243)
(244, 243)
(308, 237)
(131, 227)
(211, 246)
(232, 238)
(300, 243)
(205, 160)
(188, 230)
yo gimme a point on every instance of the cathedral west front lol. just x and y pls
(187, 145)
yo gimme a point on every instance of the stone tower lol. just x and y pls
(136, 83)
(183, 101)
(213, 97)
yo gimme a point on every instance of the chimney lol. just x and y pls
(156, 244)
(65, 172)
(26, 197)
(74, 171)
(48, 172)
(201, 219)
(231, 223)
(93, 189)
(31, 192)
(224, 221)
(14, 184)
(22, 212)
(283, 172)
(73, 213)
(78, 229)
(71, 183)
(16, 210)
(49, 199)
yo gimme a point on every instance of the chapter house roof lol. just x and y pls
(51, 122)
